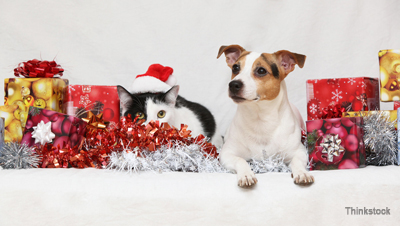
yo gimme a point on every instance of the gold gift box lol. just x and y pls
(12, 123)
(392, 114)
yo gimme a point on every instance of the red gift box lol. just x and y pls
(353, 94)
(396, 105)
(66, 129)
(336, 143)
(81, 99)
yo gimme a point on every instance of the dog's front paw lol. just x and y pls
(246, 179)
(303, 178)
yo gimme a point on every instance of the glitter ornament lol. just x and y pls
(18, 156)
(42, 133)
(380, 139)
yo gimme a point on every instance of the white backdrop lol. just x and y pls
(110, 42)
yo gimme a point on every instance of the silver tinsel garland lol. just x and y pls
(380, 139)
(18, 156)
(185, 158)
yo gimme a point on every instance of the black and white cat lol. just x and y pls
(171, 108)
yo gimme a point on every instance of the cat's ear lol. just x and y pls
(124, 97)
(171, 95)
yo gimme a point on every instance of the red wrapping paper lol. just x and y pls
(351, 94)
(68, 130)
(350, 136)
(396, 105)
(81, 99)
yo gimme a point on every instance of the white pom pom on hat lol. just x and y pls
(157, 79)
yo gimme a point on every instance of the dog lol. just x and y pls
(265, 121)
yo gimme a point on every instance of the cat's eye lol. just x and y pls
(161, 114)
(140, 115)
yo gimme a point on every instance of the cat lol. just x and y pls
(171, 108)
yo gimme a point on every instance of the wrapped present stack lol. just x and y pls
(346, 128)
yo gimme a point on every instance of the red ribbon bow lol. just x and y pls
(335, 111)
(38, 69)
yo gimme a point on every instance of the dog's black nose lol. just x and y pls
(235, 86)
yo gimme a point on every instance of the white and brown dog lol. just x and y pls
(265, 120)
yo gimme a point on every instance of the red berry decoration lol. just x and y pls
(66, 126)
(57, 125)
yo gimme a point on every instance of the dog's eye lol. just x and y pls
(235, 69)
(261, 71)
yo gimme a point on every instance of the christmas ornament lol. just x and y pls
(380, 139)
(18, 156)
(42, 133)
(36, 68)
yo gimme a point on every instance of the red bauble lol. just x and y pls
(341, 131)
(348, 122)
(347, 164)
(66, 126)
(54, 117)
(28, 124)
(27, 139)
(314, 125)
(56, 126)
(355, 130)
(357, 105)
(328, 125)
(48, 113)
(351, 142)
(38, 118)
(108, 114)
(61, 140)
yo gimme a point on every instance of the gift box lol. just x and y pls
(46, 126)
(396, 105)
(392, 114)
(352, 94)
(46, 93)
(389, 68)
(12, 123)
(1, 134)
(82, 99)
(336, 143)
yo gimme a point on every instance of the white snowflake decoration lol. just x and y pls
(351, 81)
(313, 108)
(337, 95)
(42, 133)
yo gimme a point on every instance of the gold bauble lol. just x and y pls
(39, 103)
(385, 95)
(5, 100)
(17, 114)
(28, 100)
(384, 76)
(7, 136)
(52, 103)
(43, 88)
(15, 129)
(23, 115)
(7, 112)
(21, 105)
(389, 62)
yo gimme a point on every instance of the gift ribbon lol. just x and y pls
(331, 146)
(95, 121)
(335, 111)
(38, 69)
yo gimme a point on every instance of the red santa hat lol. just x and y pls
(157, 79)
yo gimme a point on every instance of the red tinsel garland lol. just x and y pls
(127, 136)
(38, 69)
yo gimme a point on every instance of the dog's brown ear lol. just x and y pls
(288, 60)
(232, 53)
